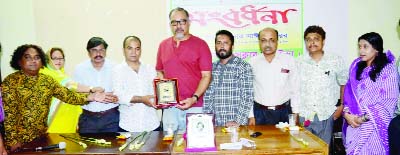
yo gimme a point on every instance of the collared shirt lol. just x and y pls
(86, 74)
(135, 117)
(320, 85)
(277, 82)
(184, 62)
(230, 94)
(26, 105)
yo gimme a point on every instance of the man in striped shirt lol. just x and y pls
(230, 94)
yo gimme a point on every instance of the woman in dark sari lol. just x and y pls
(370, 98)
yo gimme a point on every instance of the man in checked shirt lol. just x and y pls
(230, 94)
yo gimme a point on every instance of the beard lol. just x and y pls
(179, 36)
(224, 55)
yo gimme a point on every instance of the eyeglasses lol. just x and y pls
(180, 22)
(58, 59)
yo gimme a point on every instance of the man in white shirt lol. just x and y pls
(96, 72)
(276, 86)
(133, 84)
(322, 77)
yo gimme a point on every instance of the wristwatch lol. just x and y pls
(197, 97)
(365, 118)
(91, 89)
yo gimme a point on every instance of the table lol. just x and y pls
(154, 145)
(272, 141)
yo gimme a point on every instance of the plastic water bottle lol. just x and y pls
(234, 134)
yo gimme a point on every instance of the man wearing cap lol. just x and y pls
(97, 72)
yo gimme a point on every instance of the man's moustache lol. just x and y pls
(222, 50)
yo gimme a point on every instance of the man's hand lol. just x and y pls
(160, 75)
(186, 103)
(103, 97)
(3, 150)
(338, 112)
(98, 90)
(231, 123)
(16, 147)
(252, 121)
(149, 100)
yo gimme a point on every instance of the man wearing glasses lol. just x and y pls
(187, 58)
(276, 86)
(97, 72)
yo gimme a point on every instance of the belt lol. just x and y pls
(277, 107)
(101, 113)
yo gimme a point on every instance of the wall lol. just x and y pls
(378, 16)
(334, 22)
(70, 23)
(17, 27)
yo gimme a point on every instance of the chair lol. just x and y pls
(336, 147)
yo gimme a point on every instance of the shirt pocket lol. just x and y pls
(283, 78)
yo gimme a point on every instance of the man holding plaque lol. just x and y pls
(133, 84)
(276, 83)
(186, 58)
(230, 94)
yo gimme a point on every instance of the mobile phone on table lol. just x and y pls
(256, 134)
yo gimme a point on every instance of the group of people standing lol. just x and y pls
(109, 97)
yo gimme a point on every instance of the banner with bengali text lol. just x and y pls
(245, 18)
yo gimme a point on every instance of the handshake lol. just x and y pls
(103, 97)
(98, 94)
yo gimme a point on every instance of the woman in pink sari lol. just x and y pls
(370, 98)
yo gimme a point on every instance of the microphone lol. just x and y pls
(60, 146)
